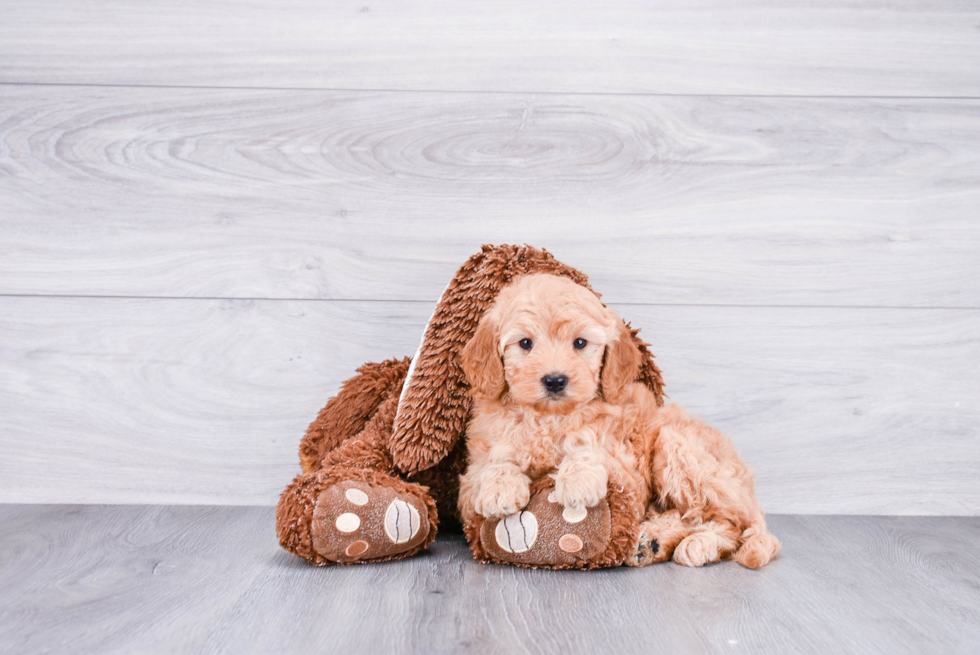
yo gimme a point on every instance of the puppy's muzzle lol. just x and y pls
(554, 383)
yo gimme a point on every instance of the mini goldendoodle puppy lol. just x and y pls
(552, 372)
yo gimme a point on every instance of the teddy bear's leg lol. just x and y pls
(347, 414)
(340, 515)
(660, 532)
(353, 507)
(545, 534)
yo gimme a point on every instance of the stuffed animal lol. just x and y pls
(382, 461)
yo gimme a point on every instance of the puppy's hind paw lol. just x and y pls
(647, 551)
(757, 550)
(698, 549)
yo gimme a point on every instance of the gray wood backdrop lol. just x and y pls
(211, 213)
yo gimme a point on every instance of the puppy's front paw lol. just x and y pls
(502, 496)
(581, 486)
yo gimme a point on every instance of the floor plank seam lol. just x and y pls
(623, 94)
(413, 301)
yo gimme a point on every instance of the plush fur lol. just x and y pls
(693, 496)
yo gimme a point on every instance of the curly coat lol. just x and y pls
(693, 494)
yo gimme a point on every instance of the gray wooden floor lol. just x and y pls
(124, 579)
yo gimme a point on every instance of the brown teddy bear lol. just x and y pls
(382, 461)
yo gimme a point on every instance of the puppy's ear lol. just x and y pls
(621, 365)
(481, 360)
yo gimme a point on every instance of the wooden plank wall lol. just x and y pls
(211, 213)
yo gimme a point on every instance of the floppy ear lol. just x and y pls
(481, 360)
(620, 366)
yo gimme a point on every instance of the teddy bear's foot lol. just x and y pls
(546, 534)
(367, 517)
(355, 521)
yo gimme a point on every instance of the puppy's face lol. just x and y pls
(548, 342)
(552, 345)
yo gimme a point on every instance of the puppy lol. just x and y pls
(552, 373)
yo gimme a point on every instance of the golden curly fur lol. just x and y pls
(552, 372)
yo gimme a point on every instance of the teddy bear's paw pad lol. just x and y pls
(546, 533)
(355, 521)
(517, 532)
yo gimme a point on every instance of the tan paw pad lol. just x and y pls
(401, 521)
(356, 549)
(348, 522)
(356, 496)
(571, 543)
(517, 533)
(574, 514)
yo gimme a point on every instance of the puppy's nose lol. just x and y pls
(554, 383)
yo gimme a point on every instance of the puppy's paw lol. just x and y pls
(579, 486)
(502, 496)
(758, 548)
(698, 549)
(648, 549)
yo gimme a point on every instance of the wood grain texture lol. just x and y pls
(908, 48)
(839, 410)
(277, 194)
(213, 580)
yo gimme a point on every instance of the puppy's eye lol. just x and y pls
(579, 343)
(526, 344)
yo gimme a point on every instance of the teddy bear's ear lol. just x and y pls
(620, 366)
(437, 395)
(426, 431)
(649, 375)
(481, 360)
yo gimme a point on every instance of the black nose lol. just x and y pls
(554, 383)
